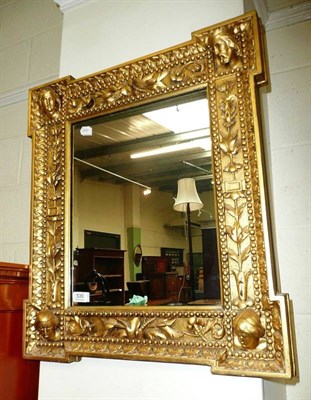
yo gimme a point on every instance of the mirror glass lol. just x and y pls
(134, 172)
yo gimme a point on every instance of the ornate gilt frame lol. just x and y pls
(250, 332)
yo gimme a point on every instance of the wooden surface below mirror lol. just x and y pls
(249, 331)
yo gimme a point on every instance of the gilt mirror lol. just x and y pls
(110, 174)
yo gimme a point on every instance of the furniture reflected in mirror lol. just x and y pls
(209, 274)
(162, 283)
(165, 279)
(100, 274)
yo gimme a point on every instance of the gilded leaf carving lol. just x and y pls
(138, 328)
(239, 252)
(206, 329)
(229, 140)
(113, 87)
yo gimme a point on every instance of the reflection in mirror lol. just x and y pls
(138, 254)
(127, 169)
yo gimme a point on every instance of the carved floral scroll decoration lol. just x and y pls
(109, 89)
(48, 135)
(143, 327)
(247, 334)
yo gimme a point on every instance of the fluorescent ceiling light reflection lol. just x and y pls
(203, 143)
(182, 117)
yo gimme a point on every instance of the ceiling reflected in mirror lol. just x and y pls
(151, 148)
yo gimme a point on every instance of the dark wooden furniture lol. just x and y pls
(164, 283)
(19, 378)
(210, 263)
(139, 288)
(109, 263)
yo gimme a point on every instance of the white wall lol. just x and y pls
(103, 212)
(103, 33)
(287, 125)
(93, 379)
(30, 33)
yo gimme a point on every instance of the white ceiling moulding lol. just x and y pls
(21, 93)
(272, 20)
(67, 5)
(284, 16)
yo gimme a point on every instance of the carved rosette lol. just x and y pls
(223, 60)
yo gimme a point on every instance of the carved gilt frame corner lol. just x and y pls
(250, 333)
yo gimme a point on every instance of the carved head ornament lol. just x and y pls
(46, 324)
(226, 49)
(248, 329)
(50, 102)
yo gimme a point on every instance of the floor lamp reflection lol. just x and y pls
(188, 200)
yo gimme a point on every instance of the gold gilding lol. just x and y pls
(249, 332)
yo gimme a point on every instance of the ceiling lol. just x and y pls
(270, 5)
(276, 5)
(277, 14)
(105, 156)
